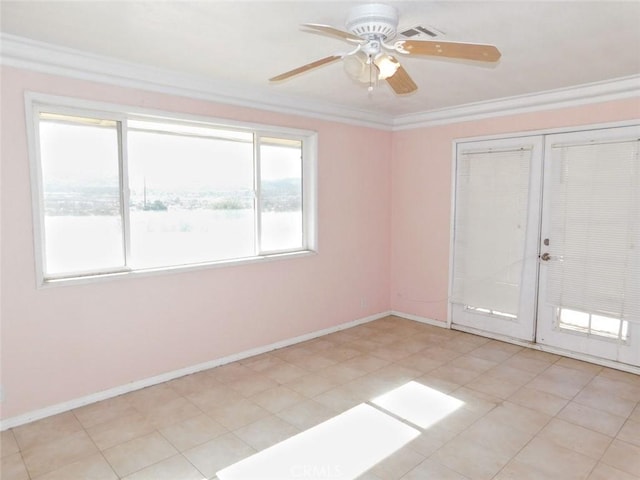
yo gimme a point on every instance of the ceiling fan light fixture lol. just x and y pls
(358, 67)
(387, 65)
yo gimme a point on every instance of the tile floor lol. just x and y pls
(526, 414)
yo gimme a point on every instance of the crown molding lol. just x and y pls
(615, 89)
(43, 57)
(24, 53)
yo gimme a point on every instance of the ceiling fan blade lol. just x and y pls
(466, 51)
(401, 82)
(333, 31)
(305, 68)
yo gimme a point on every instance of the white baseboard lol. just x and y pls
(416, 318)
(165, 377)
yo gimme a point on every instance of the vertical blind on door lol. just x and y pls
(492, 191)
(595, 228)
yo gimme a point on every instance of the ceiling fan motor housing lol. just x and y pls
(374, 20)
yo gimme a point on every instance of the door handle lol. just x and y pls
(545, 256)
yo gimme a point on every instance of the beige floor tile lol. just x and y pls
(266, 432)
(630, 433)
(103, 411)
(94, 467)
(606, 472)
(493, 386)
(237, 414)
(579, 365)
(398, 464)
(173, 468)
(249, 385)
(550, 358)
(173, 411)
(518, 417)
(556, 461)
(419, 361)
(605, 400)
(592, 418)
(442, 385)
(431, 440)
(471, 459)
(630, 378)
(623, 456)
(575, 437)
(538, 400)
(440, 353)
(620, 388)
(339, 373)
(214, 396)
(515, 470)
(396, 374)
(340, 353)
(12, 468)
(151, 397)
(430, 469)
(313, 362)
(261, 362)
(8, 444)
(120, 430)
(473, 364)
(560, 381)
(311, 385)
(490, 351)
(635, 415)
(218, 453)
(526, 414)
(277, 398)
(510, 374)
(528, 364)
(46, 430)
(475, 401)
(192, 432)
(230, 372)
(284, 373)
(497, 436)
(193, 383)
(47, 457)
(366, 363)
(306, 414)
(338, 399)
(139, 453)
(458, 375)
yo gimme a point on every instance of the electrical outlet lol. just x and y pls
(1, 394)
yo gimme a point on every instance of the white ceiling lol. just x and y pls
(545, 45)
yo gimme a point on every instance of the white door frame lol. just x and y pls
(530, 344)
(523, 327)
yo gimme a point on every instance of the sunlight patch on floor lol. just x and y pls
(341, 448)
(418, 404)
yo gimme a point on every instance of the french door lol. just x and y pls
(546, 242)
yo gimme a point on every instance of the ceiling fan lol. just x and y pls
(369, 29)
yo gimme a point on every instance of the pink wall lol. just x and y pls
(63, 343)
(421, 197)
(384, 216)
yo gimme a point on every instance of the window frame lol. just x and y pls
(36, 103)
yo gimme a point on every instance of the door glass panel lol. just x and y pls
(490, 230)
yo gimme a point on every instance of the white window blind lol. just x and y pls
(492, 191)
(595, 229)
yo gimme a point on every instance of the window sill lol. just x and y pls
(101, 277)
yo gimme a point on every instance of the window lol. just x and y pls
(130, 192)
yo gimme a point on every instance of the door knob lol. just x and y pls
(545, 256)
